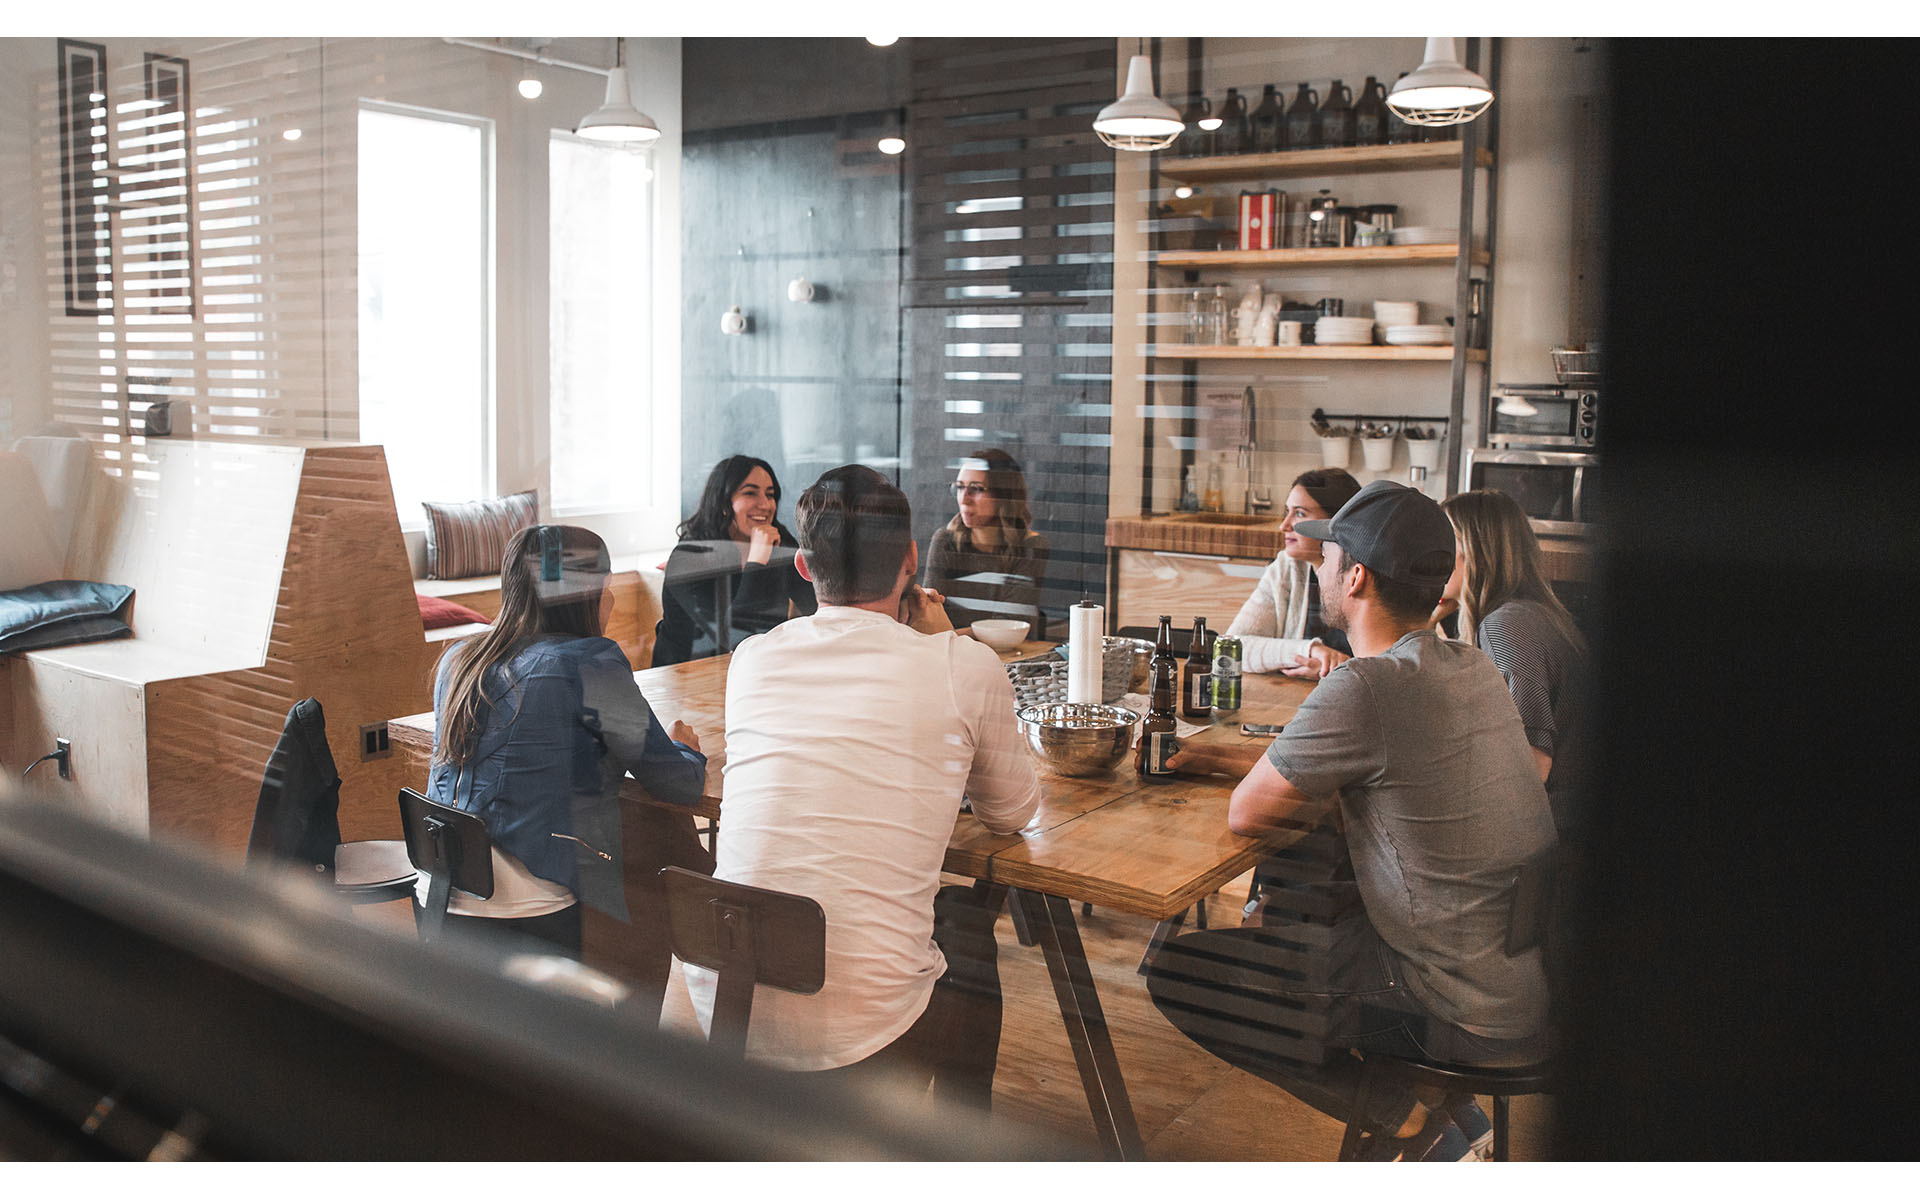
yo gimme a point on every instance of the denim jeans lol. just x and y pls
(1291, 1000)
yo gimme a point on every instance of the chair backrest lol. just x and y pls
(746, 935)
(297, 816)
(447, 845)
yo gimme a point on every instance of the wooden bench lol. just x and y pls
(263, 573)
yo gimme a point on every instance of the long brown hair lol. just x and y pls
(1330, 487)
(1503, 562)
(530, 607)
(1008, 487)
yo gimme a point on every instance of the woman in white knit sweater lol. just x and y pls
(1279, 626)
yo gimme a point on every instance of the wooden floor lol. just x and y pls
(1190, 1105)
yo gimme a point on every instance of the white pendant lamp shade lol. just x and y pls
(1440, 91)
(1138, 120)
(617, 120)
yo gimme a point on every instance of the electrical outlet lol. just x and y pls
(64, 748)
(374, 742)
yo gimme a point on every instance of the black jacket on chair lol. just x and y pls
(297, 817)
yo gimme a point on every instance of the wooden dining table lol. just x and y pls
(1116, 839)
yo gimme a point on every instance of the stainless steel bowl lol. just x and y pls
(1079, 739)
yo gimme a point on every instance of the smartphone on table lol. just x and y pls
(1256, 729)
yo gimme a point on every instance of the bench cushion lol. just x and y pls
(61, 613)
(437, 612)
(470, 538)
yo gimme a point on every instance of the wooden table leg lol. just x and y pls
(1051, 920)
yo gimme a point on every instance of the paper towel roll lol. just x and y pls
(1085, 653)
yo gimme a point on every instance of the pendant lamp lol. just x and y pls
(617, 120)
(1440, 91)
(1138, 120)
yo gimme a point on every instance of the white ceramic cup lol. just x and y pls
(1287, 333)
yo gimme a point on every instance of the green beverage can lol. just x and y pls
(1226, 674)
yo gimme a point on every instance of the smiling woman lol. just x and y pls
(732, 546)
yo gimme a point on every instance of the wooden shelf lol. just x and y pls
(1301, 256)
(1346, 160)
(1320, 353)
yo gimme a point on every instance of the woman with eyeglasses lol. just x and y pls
(734, 540)
(988, 561)
(536, 722)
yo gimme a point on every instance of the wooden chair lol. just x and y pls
(296, 817)
(1536, 897)
(746, 935)
(451, 848)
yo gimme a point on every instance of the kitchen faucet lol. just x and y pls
(1248, 504)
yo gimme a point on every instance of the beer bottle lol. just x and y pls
(1197, 688)
(1157, 737)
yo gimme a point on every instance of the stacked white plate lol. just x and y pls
(1396, 312)
(1343, 331)
(1423, 235)
(1419, 335)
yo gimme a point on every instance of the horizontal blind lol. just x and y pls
(199, 233)
(1011, 284)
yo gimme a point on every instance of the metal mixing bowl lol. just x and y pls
(1079, 739)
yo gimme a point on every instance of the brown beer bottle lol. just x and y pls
(1157, 733)
(1197, 688)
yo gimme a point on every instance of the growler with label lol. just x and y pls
(1158, 740)
(1267, 124)
(1370, 114)
(1197, 689)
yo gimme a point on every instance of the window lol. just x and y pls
(426, 285)
(600, 326)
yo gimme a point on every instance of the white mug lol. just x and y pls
(800, 291)
(1287, 333)
(733, 321)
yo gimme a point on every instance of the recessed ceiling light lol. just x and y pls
(883, 41)
(892, 145)
(1182, 192)
(530, 87)
(292, 135)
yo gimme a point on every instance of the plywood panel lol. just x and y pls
(346, 630)
(199, 534)
(104, 719)
(1152, 582)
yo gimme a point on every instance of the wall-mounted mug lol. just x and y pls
(1286, 333)
(733, 321)
(800, 291)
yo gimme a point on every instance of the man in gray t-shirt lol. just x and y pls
(1415, 749)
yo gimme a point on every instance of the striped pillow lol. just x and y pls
(470, 538)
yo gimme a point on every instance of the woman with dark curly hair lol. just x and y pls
(733, 535)
(988, 561)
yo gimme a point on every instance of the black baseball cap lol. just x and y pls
(1399, 533)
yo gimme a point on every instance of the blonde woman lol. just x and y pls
(1508, 609)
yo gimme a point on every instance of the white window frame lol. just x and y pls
(489, 312)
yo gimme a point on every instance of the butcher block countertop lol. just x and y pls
(1231, 534)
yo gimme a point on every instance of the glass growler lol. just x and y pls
(1300, 119)
(1268, 123)
(1197, 688)
(1231, 137)
(1335, 121)
(1158, 737)
(1370, 114)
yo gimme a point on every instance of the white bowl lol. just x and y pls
(1396, 312)
(1420, 235)
(1001, 634)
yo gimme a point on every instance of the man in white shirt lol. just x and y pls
(852, 735)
